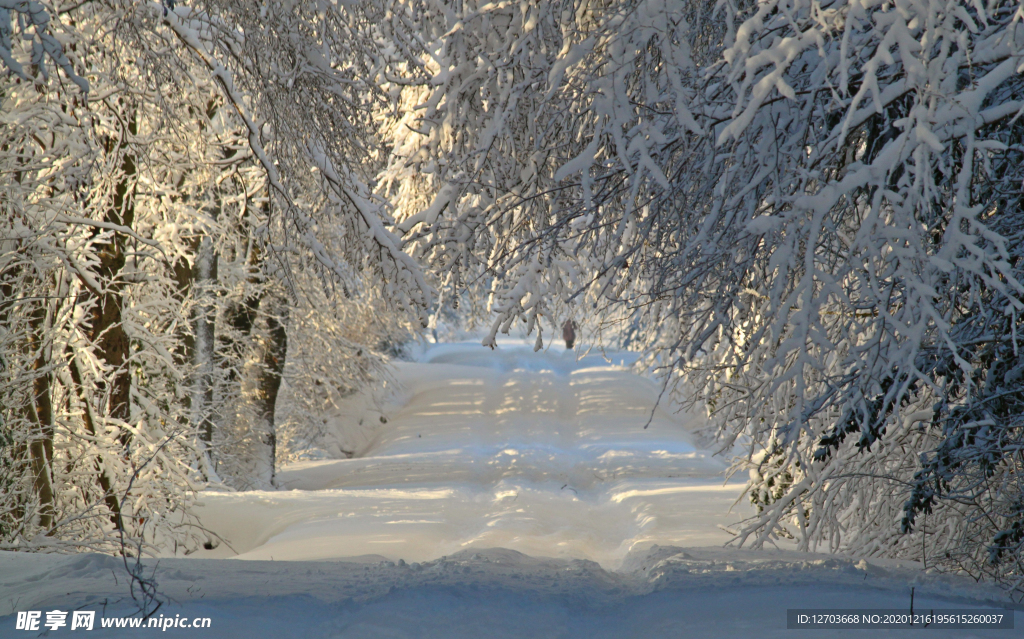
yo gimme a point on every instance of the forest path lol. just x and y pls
(485, 454)
(542, 453)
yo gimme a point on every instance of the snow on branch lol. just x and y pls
(406, 284)
(33, 15)
(801, 209)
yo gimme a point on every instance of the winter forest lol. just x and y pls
(222, 219)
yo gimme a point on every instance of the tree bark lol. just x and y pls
(185, 351)
(106, 485)
(40, 411)
(204, 328)
(275, 351)
(204, 279)
(10, 289)
(105, 322)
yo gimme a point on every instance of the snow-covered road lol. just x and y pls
(536, 452)
(508, 494)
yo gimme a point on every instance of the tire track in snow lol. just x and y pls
(535, 452)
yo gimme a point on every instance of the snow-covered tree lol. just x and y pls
(803, 208)
(805, 212)
(160, 233)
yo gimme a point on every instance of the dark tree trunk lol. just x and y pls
(105, 323)
(20, 456)
(184, 352)
(40, 411)
(275, 351)
(106, 485)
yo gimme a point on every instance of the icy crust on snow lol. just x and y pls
(660, 592)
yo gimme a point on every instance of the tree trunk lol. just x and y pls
(204, 328)
(40, 411)
(185, 348)
(204, 281)
(106, 485)
(20, 456)
(105, 323)
(274, 353)
(198, 399)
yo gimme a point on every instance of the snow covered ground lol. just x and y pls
(509, 494)
(534, 452)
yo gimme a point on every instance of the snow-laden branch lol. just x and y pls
(44, 44)
(803, 211)
(410, 285)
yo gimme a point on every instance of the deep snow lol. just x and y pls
(510, 493)
(535, 452)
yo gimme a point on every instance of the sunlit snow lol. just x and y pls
(508, 494)
(535, 452)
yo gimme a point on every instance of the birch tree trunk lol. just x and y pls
(204, 328)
